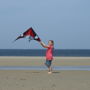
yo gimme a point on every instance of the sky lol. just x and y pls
(67, 22)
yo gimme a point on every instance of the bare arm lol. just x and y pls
(43, 45)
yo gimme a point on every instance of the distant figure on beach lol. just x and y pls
(49, 54)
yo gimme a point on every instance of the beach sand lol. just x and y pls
(39, 61)
(41, 80)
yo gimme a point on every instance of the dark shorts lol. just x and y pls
(48, 63)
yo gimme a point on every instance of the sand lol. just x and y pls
(41, 80)
(39, 61)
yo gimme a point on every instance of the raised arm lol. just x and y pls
(43, 45)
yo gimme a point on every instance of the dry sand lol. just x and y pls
(41, 80)
(38, 61)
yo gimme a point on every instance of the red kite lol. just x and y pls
(32, 35)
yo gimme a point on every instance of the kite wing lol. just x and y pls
(19, 37)
(32, 35)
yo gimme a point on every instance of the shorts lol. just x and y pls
(48, 63)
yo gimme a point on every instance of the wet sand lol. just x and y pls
(41, 80)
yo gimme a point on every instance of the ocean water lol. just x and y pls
(41, 52)
(79, 68)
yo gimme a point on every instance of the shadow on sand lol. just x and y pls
(56, 72)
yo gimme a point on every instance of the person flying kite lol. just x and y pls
(50, 47)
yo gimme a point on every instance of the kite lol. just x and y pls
(31, 33)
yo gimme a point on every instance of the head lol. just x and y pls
(50, 42)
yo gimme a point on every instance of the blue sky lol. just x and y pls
(67, 22)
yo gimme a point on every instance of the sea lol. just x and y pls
(41, 52)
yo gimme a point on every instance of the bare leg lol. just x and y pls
(50, 70)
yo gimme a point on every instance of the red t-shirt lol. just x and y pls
(49, 53)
